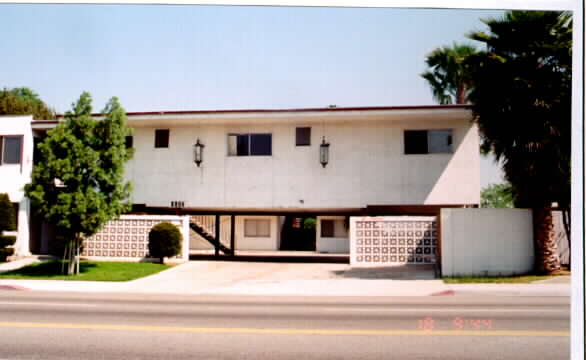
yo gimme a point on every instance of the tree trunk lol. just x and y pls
(567, 228)
(547, 258)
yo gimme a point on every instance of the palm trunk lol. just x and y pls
(547, 258)
(567, 228)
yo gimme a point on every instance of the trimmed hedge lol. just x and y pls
(164, 241)
(6, 240)
(7, 223)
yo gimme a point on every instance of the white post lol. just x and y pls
(185, 231)
(22, 247)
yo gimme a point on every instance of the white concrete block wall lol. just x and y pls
(13, 177)
(126, 238)
(367, 166)
(480, 242)
(340, 243)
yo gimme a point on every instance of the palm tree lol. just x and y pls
(521, 103)
(448, 74)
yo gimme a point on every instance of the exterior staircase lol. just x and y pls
(204, 226)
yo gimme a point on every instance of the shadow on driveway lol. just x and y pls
(400, 272)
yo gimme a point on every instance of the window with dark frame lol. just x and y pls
(327, 228)
(250, 145)
(10, 149)
(129, 141)
(428, 141)
(303, 136)
(161, 138)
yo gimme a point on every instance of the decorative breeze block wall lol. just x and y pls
(393, 240)
(127, 237)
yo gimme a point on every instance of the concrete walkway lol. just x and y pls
(251, 278)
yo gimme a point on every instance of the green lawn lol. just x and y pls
(519, 279)
(88, 271)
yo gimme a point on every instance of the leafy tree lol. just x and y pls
(24, 101)
(496, 196)
(7, 223)
(448, 76)
(164, 241)
(521, 102)
(79, 185)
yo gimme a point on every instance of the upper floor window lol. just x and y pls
(250, 144)
(10, 149)
(428, 141)
(161, 138)
(128, 141)
(303, 136)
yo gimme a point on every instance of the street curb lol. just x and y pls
(13, 287)
(444, 293)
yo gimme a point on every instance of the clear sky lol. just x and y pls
(191, 57)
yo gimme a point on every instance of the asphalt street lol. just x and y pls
(44, 325)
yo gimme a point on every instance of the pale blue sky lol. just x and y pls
(220, 57)
(189, 57)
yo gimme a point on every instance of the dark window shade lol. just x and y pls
(261, 144)
(129, 141)
(327, 228)
(242, 145)
(11, 149)
(415, 141)
(162, 138)
(303, 136)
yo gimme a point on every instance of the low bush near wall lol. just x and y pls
(164, 241)
(7, 223)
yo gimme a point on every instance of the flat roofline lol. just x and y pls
(269, 111)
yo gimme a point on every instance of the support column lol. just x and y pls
(232, 238)
(22, 246)
(217, 244)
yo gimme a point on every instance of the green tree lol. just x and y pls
(24, 101)
(448, 76)
(7, 223)
(80, 185)
(496, 196)
(521, 103)
(164, 241)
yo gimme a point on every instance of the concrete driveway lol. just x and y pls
(215, 277)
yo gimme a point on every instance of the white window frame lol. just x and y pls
(256, 228)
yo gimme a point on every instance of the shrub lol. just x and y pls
(7, 223)
(164, 241)
(5, 241)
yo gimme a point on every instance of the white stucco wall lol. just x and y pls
(486, 242)
(367, 165)
(257, 243)
(340, 243)
(13, 177)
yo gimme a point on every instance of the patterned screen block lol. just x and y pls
(122, 238)
(394, 241)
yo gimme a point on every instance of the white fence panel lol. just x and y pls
(393, 240)
(127, 237)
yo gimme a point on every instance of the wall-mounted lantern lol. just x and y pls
(198, 153)
(324, 152)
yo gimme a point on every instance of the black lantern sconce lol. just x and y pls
(198, 153)
(324, 152)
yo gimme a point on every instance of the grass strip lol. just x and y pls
(88, 271)
(518, 279)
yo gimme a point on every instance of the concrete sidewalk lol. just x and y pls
(231, 278)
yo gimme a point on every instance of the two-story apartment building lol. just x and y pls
(258, 172)
(16, 161)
